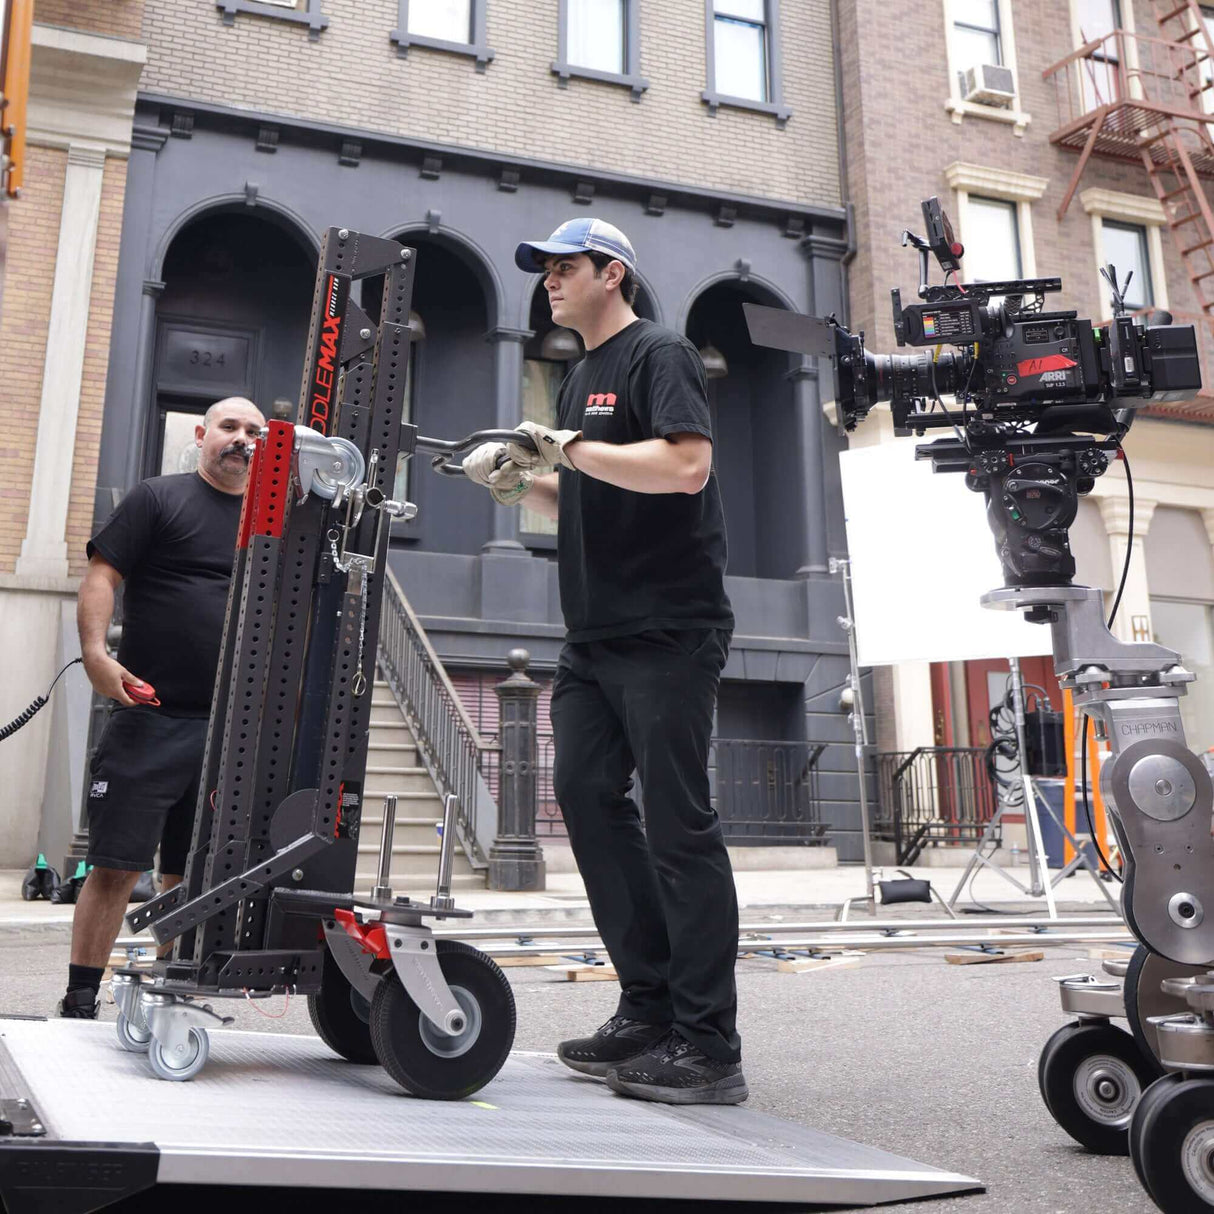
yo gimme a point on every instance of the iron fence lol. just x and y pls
(932, 796)
(767, 793)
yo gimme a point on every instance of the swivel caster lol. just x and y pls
(133, 1031)
(435, 1065)
(341, 1016)
(183, 1059)
(1091, 1077)
(179, 1044)
(1171, 1142)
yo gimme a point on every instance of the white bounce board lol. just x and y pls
(922, 556)
(272, 1109)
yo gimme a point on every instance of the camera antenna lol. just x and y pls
(1109, 274)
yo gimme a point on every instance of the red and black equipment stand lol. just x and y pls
(266, 903)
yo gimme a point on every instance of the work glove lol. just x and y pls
(551, 445)
(481, 462)
(509, 483)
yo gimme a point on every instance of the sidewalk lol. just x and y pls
(810, 893)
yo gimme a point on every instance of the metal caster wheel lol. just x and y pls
(430, 1063)
(133, 1036)
(1091, 1077)
(1172, 1144)
(185, 1061)
(1143, 997)
(342, 1017)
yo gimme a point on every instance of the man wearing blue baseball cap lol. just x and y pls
(641, 556)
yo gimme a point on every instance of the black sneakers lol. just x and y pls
(617, 1041)
(80, 1004)
(674, 1071)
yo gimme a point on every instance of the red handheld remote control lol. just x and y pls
(145, 693)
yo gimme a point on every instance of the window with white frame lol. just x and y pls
(1125, 245)
(739, 42)
(1099, 74)
(976, 35)
(1206, 66)
(992, 240)
(979, 32)
(993, 217)
(1126, 230)
(444, 20)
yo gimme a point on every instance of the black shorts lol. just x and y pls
(142, 789)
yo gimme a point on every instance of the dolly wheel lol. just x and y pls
(1142, 1111)
(340, 1016)
(433, 1064)
(1172, 1144)
(183, 1065)
(1091, 1077)
(132, 1037)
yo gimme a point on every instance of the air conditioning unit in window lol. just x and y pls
(989, 84)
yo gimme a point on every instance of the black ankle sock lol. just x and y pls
(84, 977)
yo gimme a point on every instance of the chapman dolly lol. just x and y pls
(1044, 399)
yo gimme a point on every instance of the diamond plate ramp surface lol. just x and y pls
(275, 1109)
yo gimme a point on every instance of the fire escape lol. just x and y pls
(1149, 100)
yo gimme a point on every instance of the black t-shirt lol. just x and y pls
(173, 539)
(630, 562)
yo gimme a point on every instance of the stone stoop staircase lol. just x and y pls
(393, 766)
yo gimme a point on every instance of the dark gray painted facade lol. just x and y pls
(192, 257)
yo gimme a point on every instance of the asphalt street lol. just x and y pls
(900, 1050)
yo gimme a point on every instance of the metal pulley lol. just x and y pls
(328, 467)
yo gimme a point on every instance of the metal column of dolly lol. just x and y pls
(266, 903)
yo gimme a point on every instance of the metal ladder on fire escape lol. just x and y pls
(1178, 152)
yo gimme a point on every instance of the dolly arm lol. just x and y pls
(1158, 793)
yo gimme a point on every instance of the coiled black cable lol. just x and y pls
(32, 711)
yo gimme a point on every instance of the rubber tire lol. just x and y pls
(402, 1051)
(336, 1019)
(1142, 1112)
(202, 1044)
(1060, 1060)
(1168, 1119)
(130, 1039)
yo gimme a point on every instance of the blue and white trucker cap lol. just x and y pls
(577, 236)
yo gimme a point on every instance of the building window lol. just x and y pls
(600, 40)
(1125, 245)
(1100, 72)
(541, 383)
(304, 12)
(992, 240)
(457, 26)
(977, 33)
(1126, 231)
(742, 52)
(994, 220)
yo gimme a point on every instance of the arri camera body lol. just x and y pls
(1042, 398)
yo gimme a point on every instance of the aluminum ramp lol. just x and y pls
(273, 1109)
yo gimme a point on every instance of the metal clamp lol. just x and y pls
(1084, 995)
(328, 467)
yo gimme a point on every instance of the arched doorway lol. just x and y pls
(754, 423)
(450, 389)
(232, 321)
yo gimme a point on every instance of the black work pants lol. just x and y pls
(662, 896)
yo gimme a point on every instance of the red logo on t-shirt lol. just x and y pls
(600, 404)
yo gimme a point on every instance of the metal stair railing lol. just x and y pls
(448, 743)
